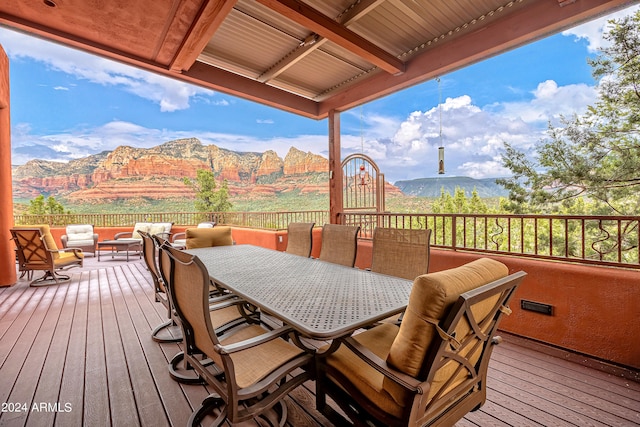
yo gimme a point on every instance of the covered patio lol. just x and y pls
(313, 58)
(82, 351)
(81, 354)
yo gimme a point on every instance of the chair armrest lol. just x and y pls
(64, 239)
(255, 341)
(178, 236)
(381, 366)
(95, 237)
(123, 235)
(75, 251)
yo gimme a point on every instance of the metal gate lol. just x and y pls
(363, 184)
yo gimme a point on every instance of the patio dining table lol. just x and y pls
(319, 299)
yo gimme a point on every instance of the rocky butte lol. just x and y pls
(158, 172)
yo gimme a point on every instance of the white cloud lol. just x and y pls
(592, 31)
(169, 94)
(473, 136)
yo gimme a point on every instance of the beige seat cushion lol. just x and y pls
(368, 380)
(208, 237)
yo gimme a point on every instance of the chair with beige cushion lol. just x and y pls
(432, 368)
(300, 238)
(208, 237)
(179, 240)
(36, 250)
(80, 236)
(339, 244)
(253, 367)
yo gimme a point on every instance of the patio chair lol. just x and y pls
(150, 252)
(226, 311)
(400, 252)
(80, 236)
(253, 367)
(339, 244)
(300, 238)
(179, 240)
(432, 369)
(36, 250)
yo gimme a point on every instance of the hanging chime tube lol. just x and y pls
(441, 160)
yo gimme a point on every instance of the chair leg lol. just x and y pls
(174, 336)
(210, 403)
(50, 278)
(179, 373)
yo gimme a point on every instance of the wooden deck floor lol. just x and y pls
(81, 354)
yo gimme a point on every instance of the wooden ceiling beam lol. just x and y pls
(326, 27)
(314, 41)
(215, 78)
(211, 16)
(533, 21)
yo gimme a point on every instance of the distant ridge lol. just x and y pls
(432, 187)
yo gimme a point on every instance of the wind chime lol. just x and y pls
(441, 147)
(363, 175)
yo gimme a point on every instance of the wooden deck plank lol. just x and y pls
(42, 395)
(96, 404)
(176, 405)
(149, 405)
(121, 400)
(72, 388)
(579, 390)
(19, 341)
(88, 344)
(26, 384)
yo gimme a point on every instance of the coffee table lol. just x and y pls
(121, 247)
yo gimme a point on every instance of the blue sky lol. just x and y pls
(67, 104)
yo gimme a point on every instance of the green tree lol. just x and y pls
(459, 203)
(208, 197)
(596, 155)
(42, 206)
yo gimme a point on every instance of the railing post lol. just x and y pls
(454, 236)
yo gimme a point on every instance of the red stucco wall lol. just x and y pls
(7, 255)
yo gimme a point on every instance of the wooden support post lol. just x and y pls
(335, 169)
(7, 253)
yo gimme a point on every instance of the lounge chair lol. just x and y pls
(432, 368)
(80, 236)
(36, 250)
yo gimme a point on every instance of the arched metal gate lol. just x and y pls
(363, 184)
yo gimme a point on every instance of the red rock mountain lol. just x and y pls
(158, 172)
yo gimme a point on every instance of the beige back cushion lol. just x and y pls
(80, 232)
(208, 237)
(140, 226)
(431, 297)
(45, 230)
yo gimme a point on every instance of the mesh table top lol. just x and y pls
(320, 299)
